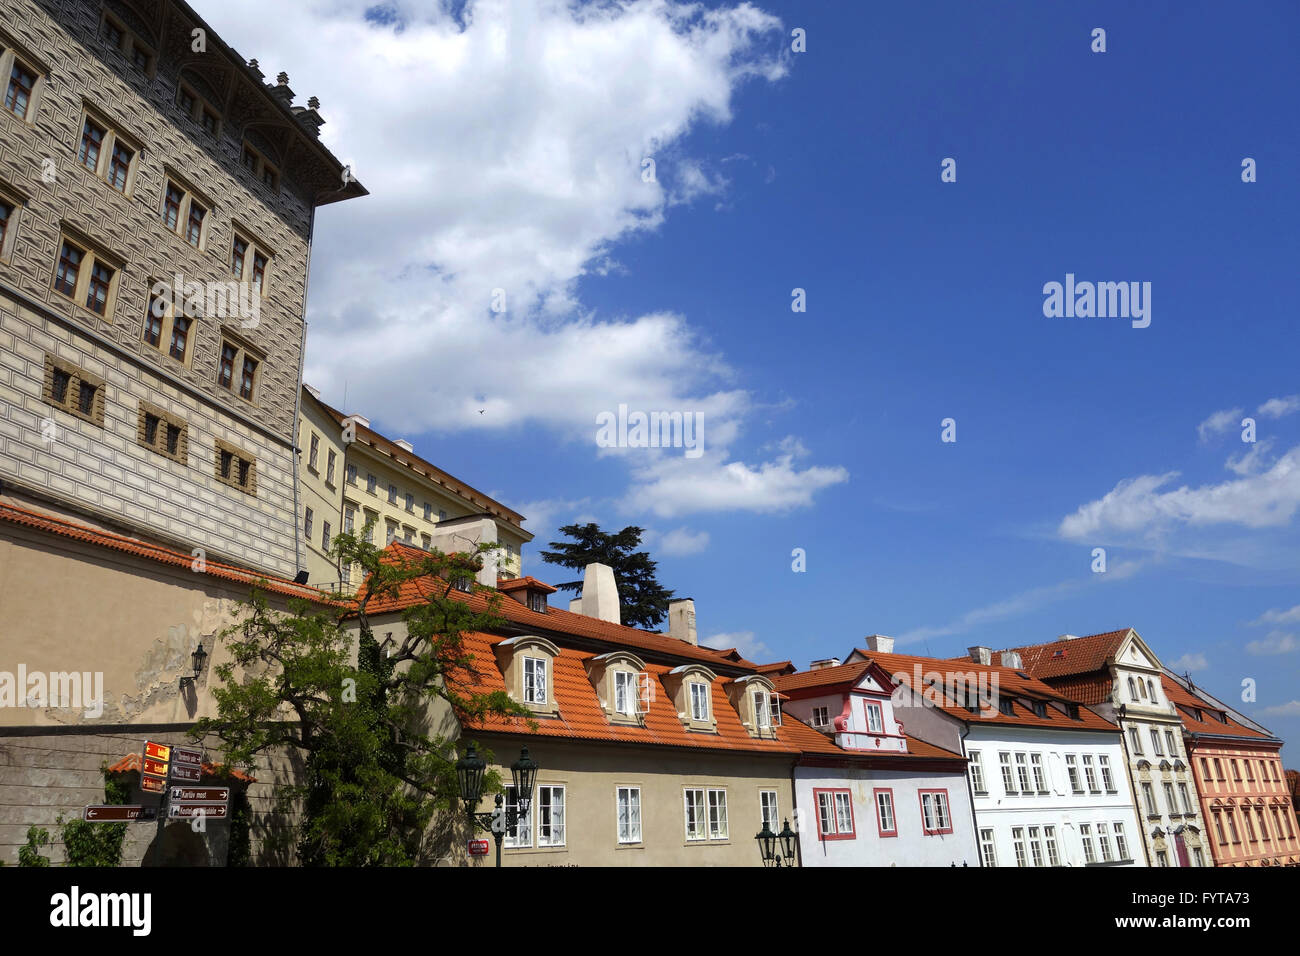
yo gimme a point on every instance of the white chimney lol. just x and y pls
(880, 644)
(403, 444)
(1068, 637)
(575, 606)
(1012, 659)
(681, 620)
(824, 663)
(981, 655)
(600, 593)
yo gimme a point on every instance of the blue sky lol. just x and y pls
(503, 141)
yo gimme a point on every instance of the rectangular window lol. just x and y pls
(834, 814)
(1169, 797)
(629, 814)
(934, 812)
(259, 272)
(550, 815)
(1232, 826)
(65, 277)
(1187, 802)
(18, 94)
(1040, 780)
(885, 813)
(534, 680)
(428, 511)
(6, 214)
(172, 203)
(92, 139)
(1250, 827)
(1162, 858)
(1170, 746)
(875, 724)
(717, 814)
(236, 468)
(1018, 841)
(624, 692)
(1103, 841)
(194, 225)
(325, 536)
(162, 433)
(349, 520)
(1049, 837)
(238, 253)
(977, 772)
(371, 484)
(1218, 828)
(1236, 771)
(1149, 796)
(314, 452)
(988, 853)
(306, 525)
(329, 468)
(1107, 780)
(410, 502)
(768, 810)
(1008, 781)
(699, 701)
(1022, 773)
(119, 167)
(1135, 740)
(1090, 773)
(1200, 857)
(392, 494)
(695, 815)
(236, 356)
(522, 834)
(1089, 852)
(350, 473)
(101, 280)
(1121, 841)
(180, 338)
(442, 515)
(69, 389)
(1218, 769)
(1035, 846)
(821, 717)
(762, 712)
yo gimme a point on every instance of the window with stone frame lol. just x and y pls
(236, 467)
(73, 390)
(162, 432)
(87, 275)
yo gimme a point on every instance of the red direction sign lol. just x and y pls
(156, 767)
(157, 751)
(478, 847)
(112, 813)
(209, 811)
(200, 794)
(152, 785)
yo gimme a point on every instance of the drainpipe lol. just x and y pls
(297, 397)
(794, 807)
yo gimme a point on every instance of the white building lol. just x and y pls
(866, 794)
(1047, 784)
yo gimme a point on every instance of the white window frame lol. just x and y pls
(625, 684)
(824, 713)
(717, 819)
(1090, 774)
(1018, 844)
(988, 849)
(1121, 841)
(693, 805)
(700, 693)
(1049, 840)
(1036, 846)
(1107, 778)
(762, 715)
(538, 683)
(1008, 774)
(885, 812)
(1089, 851)
(633, 814)
(875, 717)
(768, 809)
(556, 837)
(977, 772)
(522, 837)
(1040, 774)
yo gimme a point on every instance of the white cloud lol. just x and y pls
(1277, 407)
(1280, 616)
(1140, 505)
(1289, 709)
(744, 641)
(671, 485)
(1252, 461)
(1276, 642)
(684, 541)
(1218, 422)
(1189, 662)
(503, 151)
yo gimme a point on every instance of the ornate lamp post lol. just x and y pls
(196, 660)
(767, 845)
(501, 819)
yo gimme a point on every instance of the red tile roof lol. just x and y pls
(117, 542)
(1010, 684)
(1080, 655)
(1092, 688)
(1185, 702)
(527, 581)
(822, 677)
(553, 619)
(779, 667)
(132, 762)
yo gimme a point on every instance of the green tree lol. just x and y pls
(642, 599)
(30, 853)
(97, 844)
(376, 772)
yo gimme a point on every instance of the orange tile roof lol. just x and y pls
(1078, 656)
(132, 762)
(527, 581)
(554, 619)
(778, 667)
(117, 542)
(815, 743)
(1092, 688)
(1010, 684)
(1184, 700)
(822, 677)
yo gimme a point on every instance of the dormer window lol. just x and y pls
(875, 723)
(821, 716)
(625, 693)
(1007, 706)
(623, 685)
(699, 701)
(762, 710)
(535, 680)
(537, 602)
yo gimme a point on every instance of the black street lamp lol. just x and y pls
(501, 819)
(767, 845)
(196, 661)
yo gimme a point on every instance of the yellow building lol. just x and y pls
(350, 475)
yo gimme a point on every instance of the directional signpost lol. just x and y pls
(160, 763)
(187, 765)
(208, 803)
(124, 813)
(209, 811)
(154, 763)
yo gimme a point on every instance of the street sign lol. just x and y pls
(200, 794)
(188, 774)
(152, 785)
(157, 768)
(157, 751)
(209, 811)
(478, 847)
(112, 813)
(186, 758)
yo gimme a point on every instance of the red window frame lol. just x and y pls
(920, 800)
(893, 811)
(817, 806)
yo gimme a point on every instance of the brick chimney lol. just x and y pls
(600, 593)
(981, 655)
(880, 643)
(681, 620)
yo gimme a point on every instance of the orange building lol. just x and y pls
(1245, 798)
